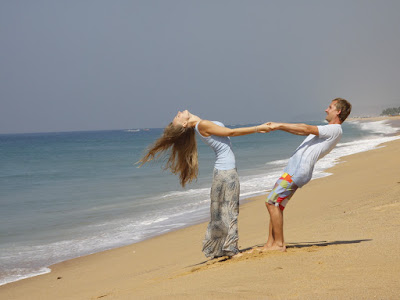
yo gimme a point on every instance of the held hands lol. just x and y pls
(263, 128)
(267, 127)
(273, 126)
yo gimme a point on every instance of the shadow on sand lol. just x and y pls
(324, 243)
(295, 245)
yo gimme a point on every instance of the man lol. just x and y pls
(320, 141)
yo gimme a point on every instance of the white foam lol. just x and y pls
(17, 274)
(154, 221)
(281, 162)
(190, 192)
(349, 148)
(379, 127)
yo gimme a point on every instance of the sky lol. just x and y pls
(98, 65)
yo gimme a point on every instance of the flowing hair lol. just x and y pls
(179, 145)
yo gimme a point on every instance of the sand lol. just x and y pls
(342, 233)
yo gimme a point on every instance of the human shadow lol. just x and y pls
(324, 243)
(293, 245)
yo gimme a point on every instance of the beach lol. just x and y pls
(118, 118)
(342, 235)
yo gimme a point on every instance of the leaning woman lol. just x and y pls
(178, 142)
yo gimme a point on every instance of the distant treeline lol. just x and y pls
(391, 111)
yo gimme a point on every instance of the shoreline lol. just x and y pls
(48, 269)
(374, 118)
(394, 120)
(150, 263)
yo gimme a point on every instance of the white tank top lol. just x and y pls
(225, 159)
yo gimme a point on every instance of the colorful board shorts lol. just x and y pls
(282, 192)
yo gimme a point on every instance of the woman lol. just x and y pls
(222, 233)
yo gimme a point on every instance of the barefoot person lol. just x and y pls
(222, 233)
(320, 141)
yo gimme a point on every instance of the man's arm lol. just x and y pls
(298, 129)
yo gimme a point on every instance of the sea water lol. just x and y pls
(69, 194)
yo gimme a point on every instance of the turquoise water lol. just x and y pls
(64, 195)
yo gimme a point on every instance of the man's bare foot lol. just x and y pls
(273, 247)
(255, 249)
(268, 245)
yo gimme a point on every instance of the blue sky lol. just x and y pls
(93, 65)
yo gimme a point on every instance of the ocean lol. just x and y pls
(69, 194)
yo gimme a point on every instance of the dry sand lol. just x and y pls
(342, 233)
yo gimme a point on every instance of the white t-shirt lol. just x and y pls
(301, 163)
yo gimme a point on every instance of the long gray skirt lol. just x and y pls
(222, 232)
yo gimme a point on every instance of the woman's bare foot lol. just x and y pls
(237, 255)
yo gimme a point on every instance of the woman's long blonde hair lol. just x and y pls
(179, 145)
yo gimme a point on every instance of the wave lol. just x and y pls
(132, 130)
(16, 274)
(281, 162)
(349, 148)
(191, 192)
(95, 238)
(378, 127)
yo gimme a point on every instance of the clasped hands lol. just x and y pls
(267, 127)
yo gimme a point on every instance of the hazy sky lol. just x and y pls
(88, 65)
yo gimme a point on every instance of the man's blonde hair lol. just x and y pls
(345, 108)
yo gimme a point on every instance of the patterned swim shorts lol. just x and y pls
(282, 192)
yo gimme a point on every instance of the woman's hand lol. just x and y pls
(264, 128)
(273, 126)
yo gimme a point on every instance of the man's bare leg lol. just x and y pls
(275, 238)
(269, 242)
(271, 238)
